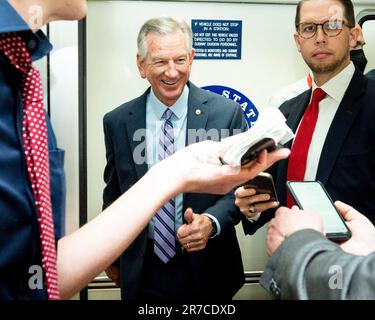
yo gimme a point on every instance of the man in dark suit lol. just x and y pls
(340, 152)
(202, 258)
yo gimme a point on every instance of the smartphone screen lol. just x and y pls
(311, 195)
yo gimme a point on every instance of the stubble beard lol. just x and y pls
(323, 68)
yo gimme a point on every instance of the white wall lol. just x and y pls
(64, 109)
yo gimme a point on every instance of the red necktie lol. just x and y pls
(35, 142)
(301, 145)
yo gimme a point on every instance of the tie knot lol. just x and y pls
(318, 95)
(167, 114)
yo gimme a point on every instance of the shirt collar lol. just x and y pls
(179, 108)
(337, 86)
(11, 21)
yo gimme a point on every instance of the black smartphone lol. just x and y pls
(263, 183)
(311, 195)
(253, 152)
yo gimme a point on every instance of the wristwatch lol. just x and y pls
(214, 228)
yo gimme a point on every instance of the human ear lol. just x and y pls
(354, 35)
(140, 65)
(297, 41)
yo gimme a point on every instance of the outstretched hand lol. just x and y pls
(202, 171)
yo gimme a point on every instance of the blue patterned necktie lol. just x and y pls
(164, 220)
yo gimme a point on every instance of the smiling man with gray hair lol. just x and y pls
(190, 250)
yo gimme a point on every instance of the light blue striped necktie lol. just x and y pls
(164, 220)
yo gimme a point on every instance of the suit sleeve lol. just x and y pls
(308, 266)
(112, 188)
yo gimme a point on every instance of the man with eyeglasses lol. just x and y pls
(333, 121)
(357, 56)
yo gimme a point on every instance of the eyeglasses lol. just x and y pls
(331, 28)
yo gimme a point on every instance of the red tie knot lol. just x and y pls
(318, 95)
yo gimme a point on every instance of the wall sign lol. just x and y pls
(217, 39)
(250, 111)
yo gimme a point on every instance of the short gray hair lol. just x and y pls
(162, 26)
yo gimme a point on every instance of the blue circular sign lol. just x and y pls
(250, 111)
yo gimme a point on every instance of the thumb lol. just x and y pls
(347, 212)
(189, 215)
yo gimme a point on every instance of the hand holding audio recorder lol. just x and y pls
(269, 131)
(263, 183)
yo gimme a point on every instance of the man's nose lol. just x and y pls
(320, 36)
(171, 70)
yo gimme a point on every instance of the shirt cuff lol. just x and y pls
(254, 218)
(218, 228)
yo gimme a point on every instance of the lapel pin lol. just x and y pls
(198, 112)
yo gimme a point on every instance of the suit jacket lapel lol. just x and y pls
(297, 111)
(340, 127)
(294, 115)
(135, 120)
(197, 111)
(197, 116)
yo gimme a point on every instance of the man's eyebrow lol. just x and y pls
(157, 58)
(183, 55)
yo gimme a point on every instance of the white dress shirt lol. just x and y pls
(335, 89)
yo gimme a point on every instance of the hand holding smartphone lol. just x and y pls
(311, 195)
(263, 183)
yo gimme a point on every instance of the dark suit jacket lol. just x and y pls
(346, 165)
(218, 268)
(371, 74)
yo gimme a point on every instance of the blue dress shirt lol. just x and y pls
(19, 235)
(154, 112)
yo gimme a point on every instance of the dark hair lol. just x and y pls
(348, 11)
